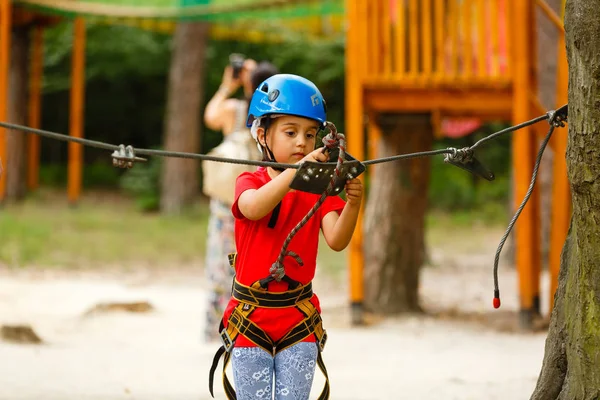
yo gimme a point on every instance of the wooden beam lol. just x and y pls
(472, 102)
(76, 110)
(561, 192)
(5, 36)
(522, 160)
(355, 72)
(534, 201)
(35, 101)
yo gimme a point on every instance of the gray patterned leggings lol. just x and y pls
(293, 368)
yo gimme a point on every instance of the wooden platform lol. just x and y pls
(463, 59)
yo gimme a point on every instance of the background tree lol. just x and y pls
(17, 113)
(182, 121)
(571, 367)
(394, 230)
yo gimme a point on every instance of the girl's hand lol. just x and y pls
(315, 155)
(354, 191)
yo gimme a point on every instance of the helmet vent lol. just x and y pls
(273, 95)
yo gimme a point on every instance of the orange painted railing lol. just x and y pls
(397, 45)
(435, 41)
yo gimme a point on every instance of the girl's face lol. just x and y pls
(290, 138)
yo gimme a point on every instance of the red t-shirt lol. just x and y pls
(258, 247)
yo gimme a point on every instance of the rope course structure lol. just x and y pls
(329, 178)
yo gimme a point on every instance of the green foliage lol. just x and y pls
(452, 188)
(143, 183)
(113, 52)
(126, 74)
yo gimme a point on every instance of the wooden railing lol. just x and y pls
(435, 41)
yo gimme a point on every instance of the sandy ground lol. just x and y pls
(160, 355)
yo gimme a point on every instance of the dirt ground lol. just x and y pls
(461, 349)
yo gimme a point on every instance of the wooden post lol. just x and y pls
(534, 201)
(373, 139)
(534, 205)
(5, 36)
(77, 110)
(522, 160)
(355, 137)
(35, 101)
(561, 193)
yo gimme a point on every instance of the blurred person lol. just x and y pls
(272, 329)
(228, 115)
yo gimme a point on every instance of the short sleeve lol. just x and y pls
(332, 203)
(246, 180)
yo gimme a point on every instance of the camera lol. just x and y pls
(236, 61)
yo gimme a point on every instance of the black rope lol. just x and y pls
(408, 156)
(510, 129)
(177, 154)
(516, 216)
(145, 152)
(556, 119)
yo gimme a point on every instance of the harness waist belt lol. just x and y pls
(262, 298)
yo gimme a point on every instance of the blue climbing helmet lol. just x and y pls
(287, 94)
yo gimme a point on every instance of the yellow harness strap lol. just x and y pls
(239, 323)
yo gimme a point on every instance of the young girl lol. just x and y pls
(228, 115)
(272, 327)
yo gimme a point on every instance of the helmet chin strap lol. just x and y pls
(271, 156)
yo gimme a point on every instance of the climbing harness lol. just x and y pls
(326, 179)
(239, 323)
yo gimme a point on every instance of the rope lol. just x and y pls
(556, 120)
(145, 152)
(510, 129)
(331, 140)
(177, 154)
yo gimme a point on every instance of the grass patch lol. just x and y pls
(45, 231)
(107, 229)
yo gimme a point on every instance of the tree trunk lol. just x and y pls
(571, 367)
(17, 113)
(182, 126)
(394, 240)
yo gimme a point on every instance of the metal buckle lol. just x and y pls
(226, 339)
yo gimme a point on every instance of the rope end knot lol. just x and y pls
(496, 301)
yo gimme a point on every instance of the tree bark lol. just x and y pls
(179, 181)
(17, 112)
(571, 366)
(394, 240)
